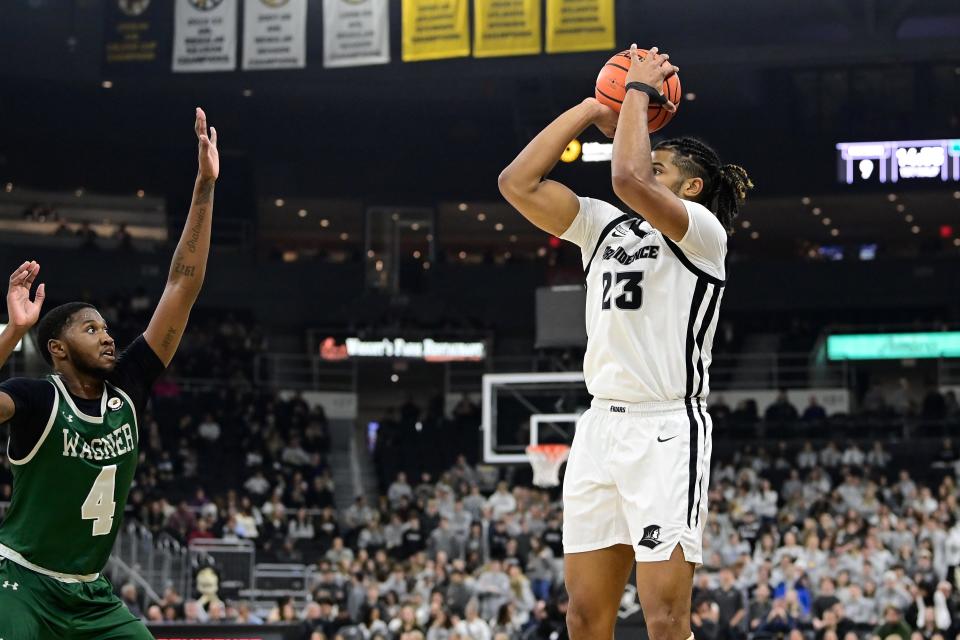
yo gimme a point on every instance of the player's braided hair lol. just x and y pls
(725, 186)
(51, 326)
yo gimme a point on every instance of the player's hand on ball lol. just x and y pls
(604, 117)
(209, 156)
(652, 70)
(23, 312)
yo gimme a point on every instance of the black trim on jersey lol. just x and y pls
(692, 486)
(703, 421)
(689, 265)
(698, 292)
(603, 234)
(707, 321)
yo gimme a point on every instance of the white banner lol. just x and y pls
(205, 35)
(274, 34)
(355, 33)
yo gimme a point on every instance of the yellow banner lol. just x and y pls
(435, 29)
(580, 25)
(506, 28)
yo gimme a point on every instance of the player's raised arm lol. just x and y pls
(548, 204)
(632, 169)
(190, 257)
(23, 313)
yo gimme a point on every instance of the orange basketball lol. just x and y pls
(611, 90)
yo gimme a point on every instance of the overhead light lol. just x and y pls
(426, 266)
(513, 238)
(542, 251)
(826, 222)
(107, 84)
(908, 217)
(754, 235)
(344, 236)
(498, 226)
(462, 206)
(429, 237)
(481, 217)
(914, 229)
(78, 192)
(371, 253)
(416, 254)
(394, 377)
(901, 208)
(302, 213)
(817, 211)
(395, 217)
(690, 96)
(956, 195)
(956, 242)
(415, 226)
(279, 202)
(290, 256)
(379, 265)
(745, 224)
(462, 255)
(834, 232)
(140, 193)
(8, 187)
(892, 197)
(507, 255)
(805, 200)
(812, 253)
(324, 223)
(247, 93)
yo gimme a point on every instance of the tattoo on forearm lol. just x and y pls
(168, 339)
(205, 192)
(196, 229)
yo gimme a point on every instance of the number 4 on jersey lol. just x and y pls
(99, 505)
(632, 297)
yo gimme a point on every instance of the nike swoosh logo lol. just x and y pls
(668, 439)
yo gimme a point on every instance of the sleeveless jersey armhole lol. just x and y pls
(43, 437)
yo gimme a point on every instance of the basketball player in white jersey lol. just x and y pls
(636, 482)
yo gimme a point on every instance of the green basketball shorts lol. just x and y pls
(37, 607)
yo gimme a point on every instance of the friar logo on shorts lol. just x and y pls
(651, 537)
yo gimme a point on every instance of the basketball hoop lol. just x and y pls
(546, 460)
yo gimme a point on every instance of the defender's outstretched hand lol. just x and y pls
(23, 312)
(209, 155)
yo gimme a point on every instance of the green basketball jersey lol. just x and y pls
(69, 493)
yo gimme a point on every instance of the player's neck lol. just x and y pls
(82, 385)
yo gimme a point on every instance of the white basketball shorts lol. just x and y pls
(638, 475)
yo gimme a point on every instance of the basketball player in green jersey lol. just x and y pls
(74, 440)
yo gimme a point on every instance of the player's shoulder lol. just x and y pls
(703, 218)
(28, 391)
(599, 208)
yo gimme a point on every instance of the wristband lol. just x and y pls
(655, 96)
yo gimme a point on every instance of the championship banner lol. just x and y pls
(355, 32)
(205, 35)
(274, 34)
(434, 29)
(132, 33)
(506, 28)
(580, 25)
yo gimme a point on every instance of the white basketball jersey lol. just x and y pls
(652, 304)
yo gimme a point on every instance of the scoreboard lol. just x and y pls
(898, 160)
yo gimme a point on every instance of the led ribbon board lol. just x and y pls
(896, 160)
(894, 346)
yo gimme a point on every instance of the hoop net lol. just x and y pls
(546, 460)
